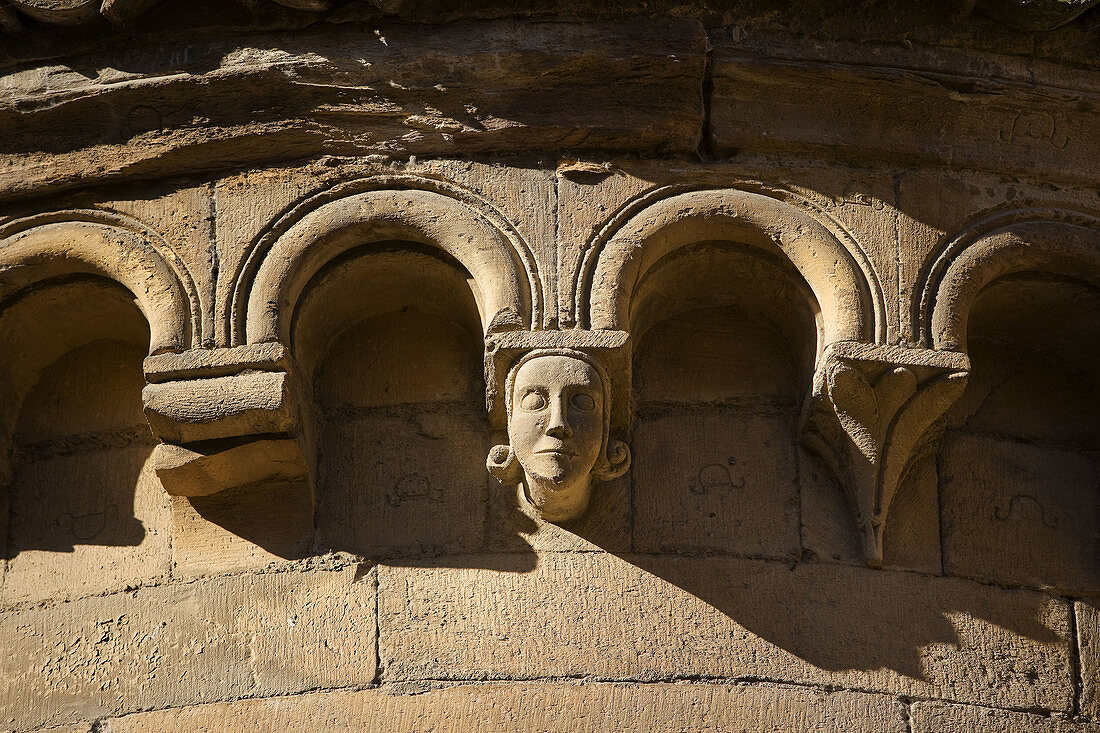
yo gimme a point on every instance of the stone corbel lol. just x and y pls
(874, 410)
(227, 418)
(562, 435)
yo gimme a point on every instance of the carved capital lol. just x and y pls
(227, 418)
(874, 410)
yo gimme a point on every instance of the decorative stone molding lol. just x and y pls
(1053, 241)
(227, 418)
(89, 242)
(561, 396)
(873, 410)
(837, 272)
(385, 209)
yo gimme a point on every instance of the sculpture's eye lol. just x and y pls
(532, 401)
(584, 402)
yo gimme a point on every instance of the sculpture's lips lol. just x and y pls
(557, 452)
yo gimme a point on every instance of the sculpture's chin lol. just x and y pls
(557, 501)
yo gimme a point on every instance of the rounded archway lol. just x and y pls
(360, 214)
(85, 298)
(1019, 292)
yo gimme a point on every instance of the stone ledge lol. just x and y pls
(539, 708)
(649, 618)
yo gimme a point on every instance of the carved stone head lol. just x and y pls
(559, 408)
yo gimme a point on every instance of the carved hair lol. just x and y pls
(614, 457)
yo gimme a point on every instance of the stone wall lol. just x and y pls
(267, 280)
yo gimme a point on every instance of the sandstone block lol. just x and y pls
(997, 128)
(937, 717)
(646, 618)
(221, 407)
(539, 708)
(186, 472)
(241, 529)
(104, 526)
(1019, 513)
(403, 482)
(717, 479)
(205, 363)
(185, 643)
(1088, 647)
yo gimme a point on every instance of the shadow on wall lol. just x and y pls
(390, 339)
(715, 504)
(80, 498)
(1019, 467)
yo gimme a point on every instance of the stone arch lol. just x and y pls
(84, 297)
(1050, 241)
(848, 297)
(107, 245)
(787, 283)
(369, 212)
(1017, 293)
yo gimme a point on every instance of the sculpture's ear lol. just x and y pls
(616, 463)
(503, 466)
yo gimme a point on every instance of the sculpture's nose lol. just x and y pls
(558, 426)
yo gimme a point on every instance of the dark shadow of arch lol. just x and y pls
(80, 496)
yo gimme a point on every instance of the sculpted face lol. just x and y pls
(556, 427)
(558, 423)
(556, 430)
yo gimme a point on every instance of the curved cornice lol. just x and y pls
(1031, 15)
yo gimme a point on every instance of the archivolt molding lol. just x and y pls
(384, 208)
(1055, 241)
(840, 276)
(104, 243)
(265, 431)
(61, 246)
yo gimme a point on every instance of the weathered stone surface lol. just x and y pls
(399, 89)
(650, 618)
(205, 363)
(403, 439)
(87, 515)
(913, 538)
(1020, 513)
(716, 479)
(241, 529)
(186, 643)
(105, 528)
(1088, 647)
(185, 472)
(717, 203)
(935, 717)
(403, 483)
(979, 111)
(222, 407)
(540, 708)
